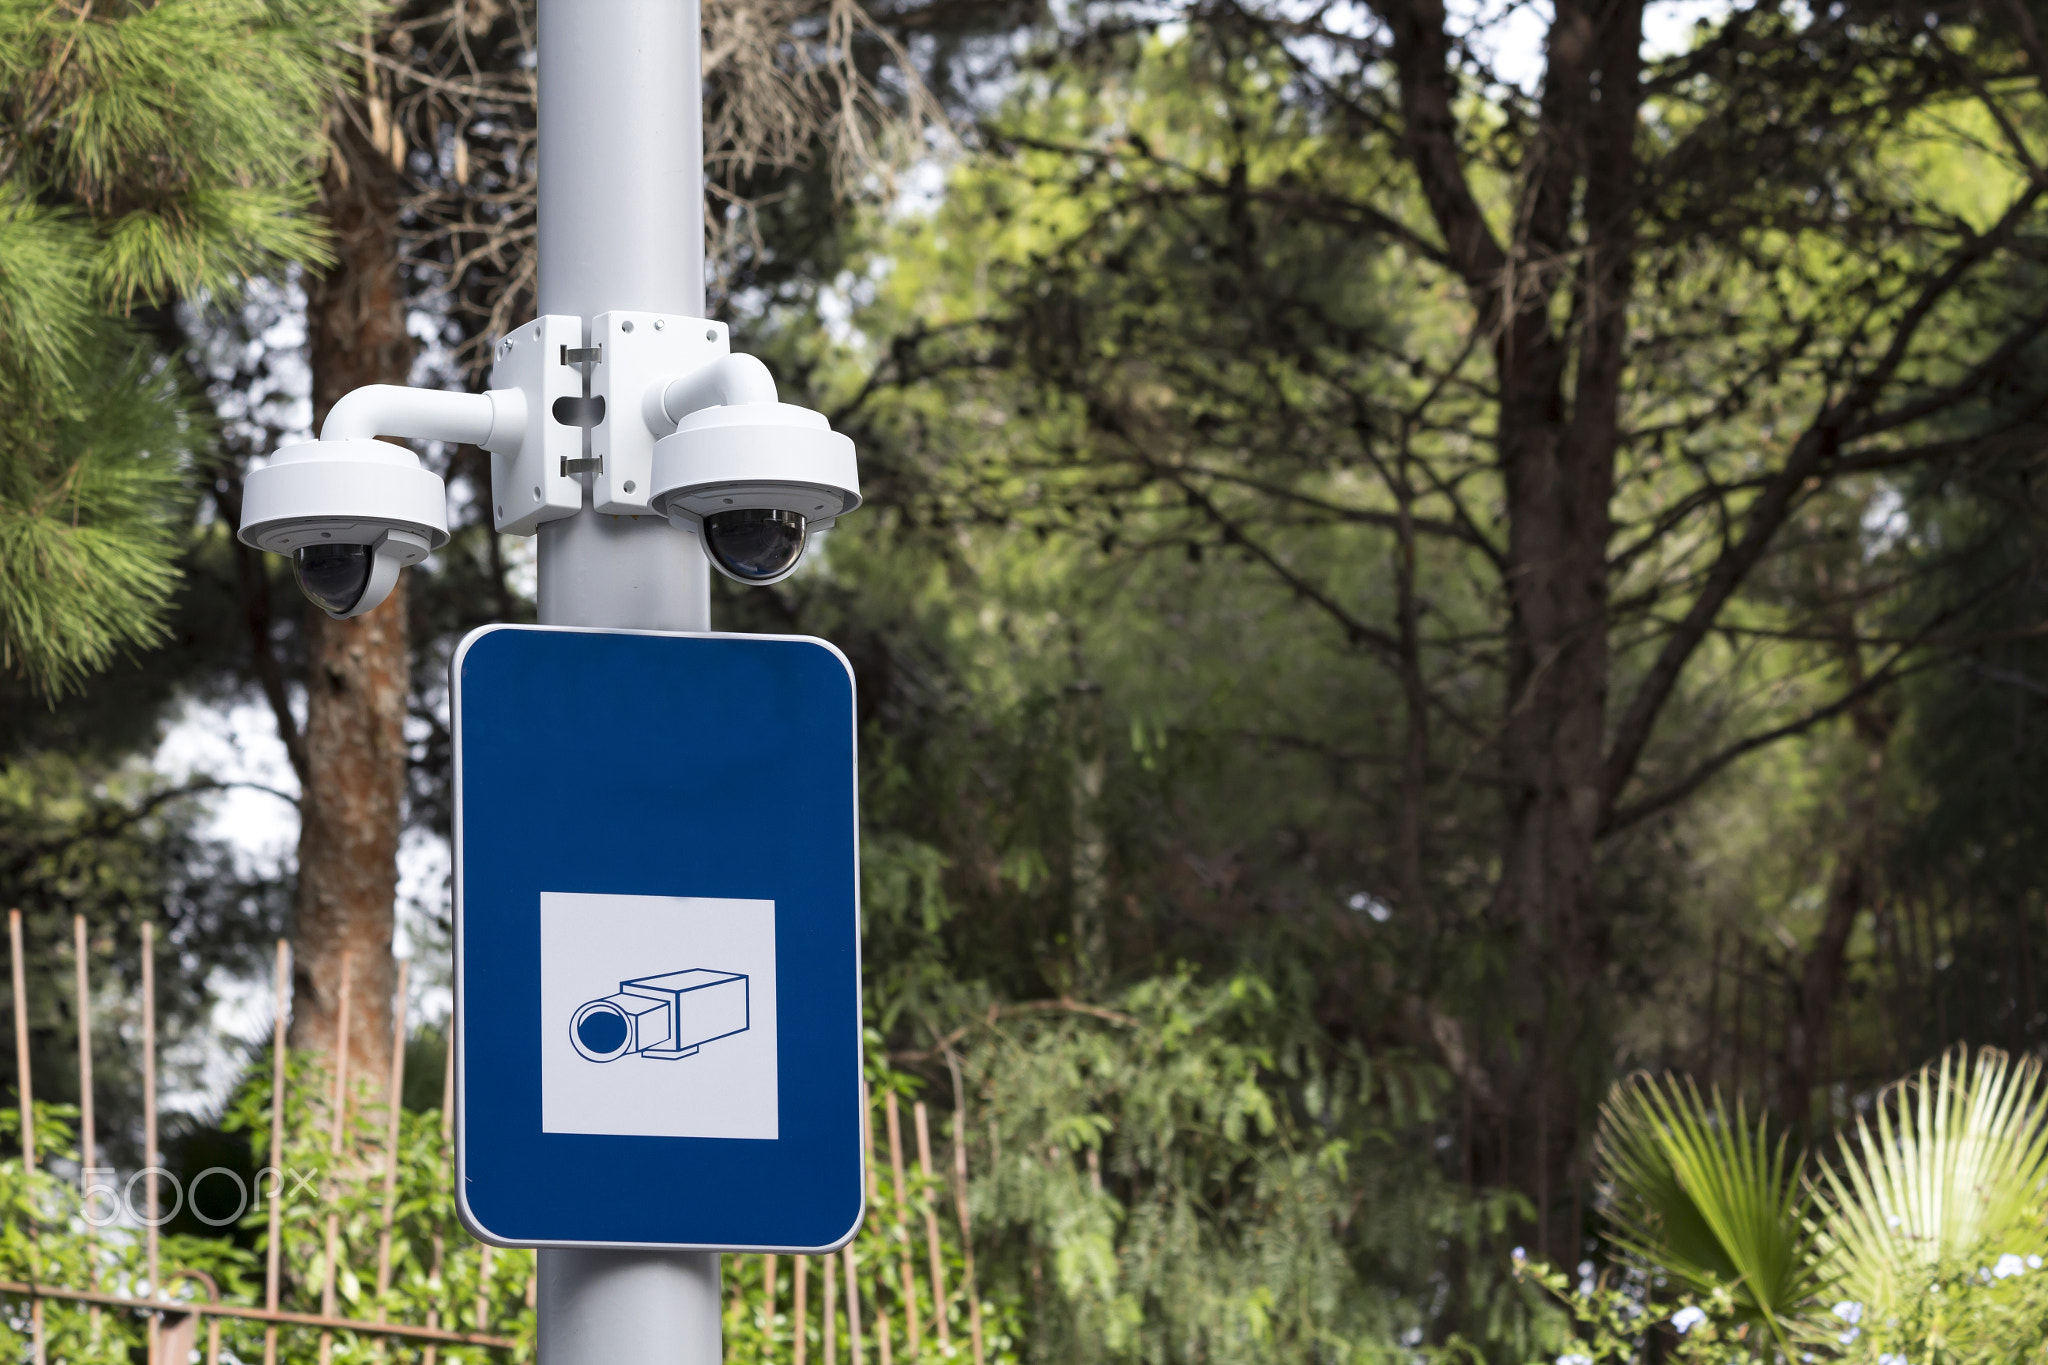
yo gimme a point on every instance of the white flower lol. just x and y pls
(1575, 1360)
(2033, 1262)
(1849, 1312)
(1687, 1318)
(2008, 1266)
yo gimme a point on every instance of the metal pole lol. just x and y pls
(628, 1308)
(622, 226)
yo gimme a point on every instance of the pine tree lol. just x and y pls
(150, 153)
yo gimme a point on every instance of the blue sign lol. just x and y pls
(657, 940)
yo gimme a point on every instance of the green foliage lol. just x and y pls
(1187, 1175)
(436, 1267)
(1709, 1200)
(155, 152)
(1612, 1323)
(437, 1273)
(43, 1237)
(1960, 1314)
(92, 503)
(1939, 1198)
(891, 1235)
(1926, 1230)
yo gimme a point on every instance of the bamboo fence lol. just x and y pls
(173, 1323)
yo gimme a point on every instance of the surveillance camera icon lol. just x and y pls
(668, 1016)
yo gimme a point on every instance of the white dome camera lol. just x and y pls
(352, 510)
(755, 479)
(351, 513)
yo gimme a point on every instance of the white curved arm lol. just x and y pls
(726, 382)
(494, 420)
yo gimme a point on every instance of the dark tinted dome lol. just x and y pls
(334, 576)
(755, 544)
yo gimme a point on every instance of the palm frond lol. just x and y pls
(1708, 1199)
(1953, 1165)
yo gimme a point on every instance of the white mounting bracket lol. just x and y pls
(673, 418)
(531, 481)
(639, 354)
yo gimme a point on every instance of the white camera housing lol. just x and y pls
(769, 457)
(347, 492)
(756, 455)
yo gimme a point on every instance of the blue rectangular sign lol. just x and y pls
(657, 940)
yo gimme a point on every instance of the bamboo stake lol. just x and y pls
(272, 1257)
(394, 1105)
(483, 1289)
(433, 1353)
(768, 1299)
(800, 1313)
(149, 1152)
(831, 1332)
(87, 1149)
(911, 1326)
(28, 1104)
(966, 1233)
(931, 1226)
(21, 1069)
(867, 1161)
(338, 1109)
(852, 1307)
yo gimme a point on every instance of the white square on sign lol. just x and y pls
(657, 1016)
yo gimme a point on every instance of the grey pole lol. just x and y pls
(622, 226)
(628, 1308)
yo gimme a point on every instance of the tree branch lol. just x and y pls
(1814, 452)
(1678, 791)
(1421, 59)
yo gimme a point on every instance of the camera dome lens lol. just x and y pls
(334, 577)
(755, 544)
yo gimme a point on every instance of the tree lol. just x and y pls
(155, 153)
(1597, 396)
(351, 754)
(156, 156)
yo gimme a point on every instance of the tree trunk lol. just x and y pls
(357, 673)
(1852, 886)
(1559, 436)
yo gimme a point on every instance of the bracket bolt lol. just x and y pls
(626, 326)
(711, 334)
(660, 323)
